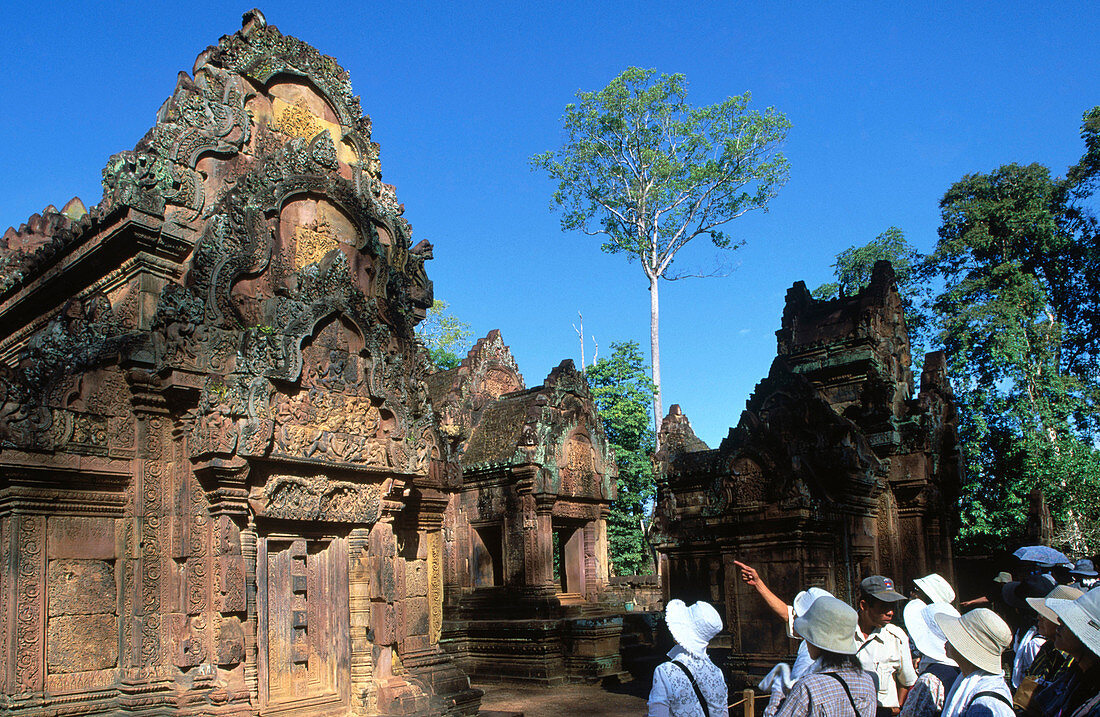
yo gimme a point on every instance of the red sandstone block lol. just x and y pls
(399, 578)
(71, 537)
(383, 623)
(413, 643)
(401, 620)
(230, 596)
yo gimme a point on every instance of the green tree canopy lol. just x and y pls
(853, 269)
(446, 337)
(1019, 319)
(622, 391)
(648, 173)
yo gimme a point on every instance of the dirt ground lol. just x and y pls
(614, 700)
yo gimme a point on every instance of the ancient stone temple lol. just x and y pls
(222, 490)
(834, 472)
(526, 536)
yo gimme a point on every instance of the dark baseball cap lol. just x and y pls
(880, 588)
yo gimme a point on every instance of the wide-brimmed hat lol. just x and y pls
(1085, 568)
(936, 588)
(980, 636)
(1003, 577)
(1016, 593)
(804, 599)
(928, 637)
(829, 625)
(1060, 592)
(1082, 617)
(692, 627)
(880, 588)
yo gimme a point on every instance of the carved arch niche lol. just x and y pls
(294, 107)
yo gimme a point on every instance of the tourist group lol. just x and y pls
(1029, 646)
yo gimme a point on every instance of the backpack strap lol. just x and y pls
(847, 691)
(694, 686)
(990, 693)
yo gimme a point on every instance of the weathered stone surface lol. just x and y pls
(416, 578)
(81, 587)
(77, 537)
(78, 643)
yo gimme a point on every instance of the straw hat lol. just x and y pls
(980, 636)
(1081, 616)
(829, 625)
(936, 588)
(920, 620)
(1061, 592)
(692, 627)
(804, 599)
(1003, 577)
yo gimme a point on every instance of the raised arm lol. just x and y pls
(752, 578)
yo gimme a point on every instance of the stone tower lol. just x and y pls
(835, 471)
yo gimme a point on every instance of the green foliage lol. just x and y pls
(649, 172)
(1019, 319)
(446, 337)
(854, 265)
(853, 269)
(622, 391)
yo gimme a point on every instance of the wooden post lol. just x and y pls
(749, 705)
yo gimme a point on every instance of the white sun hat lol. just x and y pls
(829, 625)
(692, 627)
(936, 588)
(980, 636)
(804, 599)
(1060, 592)
(1082, 617)
(927, 635)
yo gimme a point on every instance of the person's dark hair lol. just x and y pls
(835, 660)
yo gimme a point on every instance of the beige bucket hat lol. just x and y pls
(980, 636)
(936, 587)
(1062, 592)
(692, 627)
(829, 624)
(1082, 617)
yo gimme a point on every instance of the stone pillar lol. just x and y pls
(363, 691)
(28, 632)
(248, 551)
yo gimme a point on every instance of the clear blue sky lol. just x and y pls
(889, 106)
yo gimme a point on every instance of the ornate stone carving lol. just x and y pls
(319, 498)
(29, 620)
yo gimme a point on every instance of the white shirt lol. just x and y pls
(885, 652)
(1026, 650)
(961, 696)
(672, 694)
